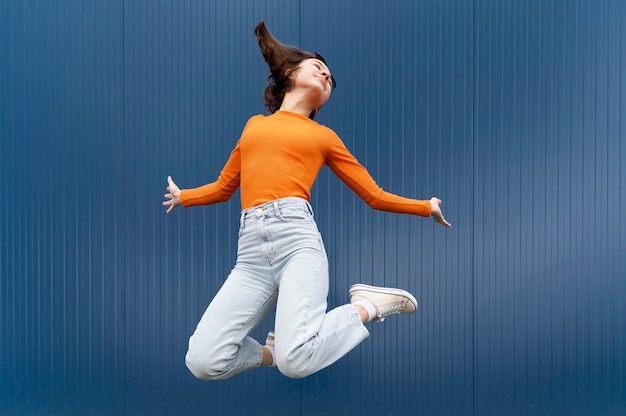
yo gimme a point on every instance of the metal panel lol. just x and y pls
(549, 169)
(61, 261)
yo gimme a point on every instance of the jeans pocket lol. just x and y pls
(295, 214)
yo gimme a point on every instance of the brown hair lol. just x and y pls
(283, 62)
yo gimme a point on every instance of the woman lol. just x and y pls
(281, 260)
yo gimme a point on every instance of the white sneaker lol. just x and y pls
(387, 301)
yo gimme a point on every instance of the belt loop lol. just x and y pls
(242, 221)
(309, 207)
(276, 209)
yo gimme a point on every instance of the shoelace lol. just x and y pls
(390, 310)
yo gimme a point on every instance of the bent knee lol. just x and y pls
(207, 368)
(292, 368)
(291, 372)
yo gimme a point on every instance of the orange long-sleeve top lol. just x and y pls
(280, 155)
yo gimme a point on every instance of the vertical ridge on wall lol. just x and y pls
(473, 210)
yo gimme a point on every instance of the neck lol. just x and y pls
(297, 103)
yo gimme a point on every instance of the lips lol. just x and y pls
(324, 80)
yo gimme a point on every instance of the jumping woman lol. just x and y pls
(281, 259)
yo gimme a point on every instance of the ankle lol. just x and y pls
(268, 356)
(366, 310)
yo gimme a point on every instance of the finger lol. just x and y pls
(439, 219)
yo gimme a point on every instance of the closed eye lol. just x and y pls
(319, 67)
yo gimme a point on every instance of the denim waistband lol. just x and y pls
(273, 208)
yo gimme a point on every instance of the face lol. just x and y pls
(314, 75)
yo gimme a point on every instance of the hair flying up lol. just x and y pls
(283, 61)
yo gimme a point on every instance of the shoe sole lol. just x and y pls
(385, 290)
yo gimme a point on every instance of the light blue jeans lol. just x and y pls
(281, 263)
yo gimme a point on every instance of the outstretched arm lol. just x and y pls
(353, 174)
(219, 191)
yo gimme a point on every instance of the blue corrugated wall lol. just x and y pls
(510, 111)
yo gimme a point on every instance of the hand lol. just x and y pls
(435, 212)
(172, 199)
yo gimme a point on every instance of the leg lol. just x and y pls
(220, 346)
(363, 314)
(309, 339)
(300, 351)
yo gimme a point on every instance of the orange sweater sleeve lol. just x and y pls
(352, 173)
(219, 191)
